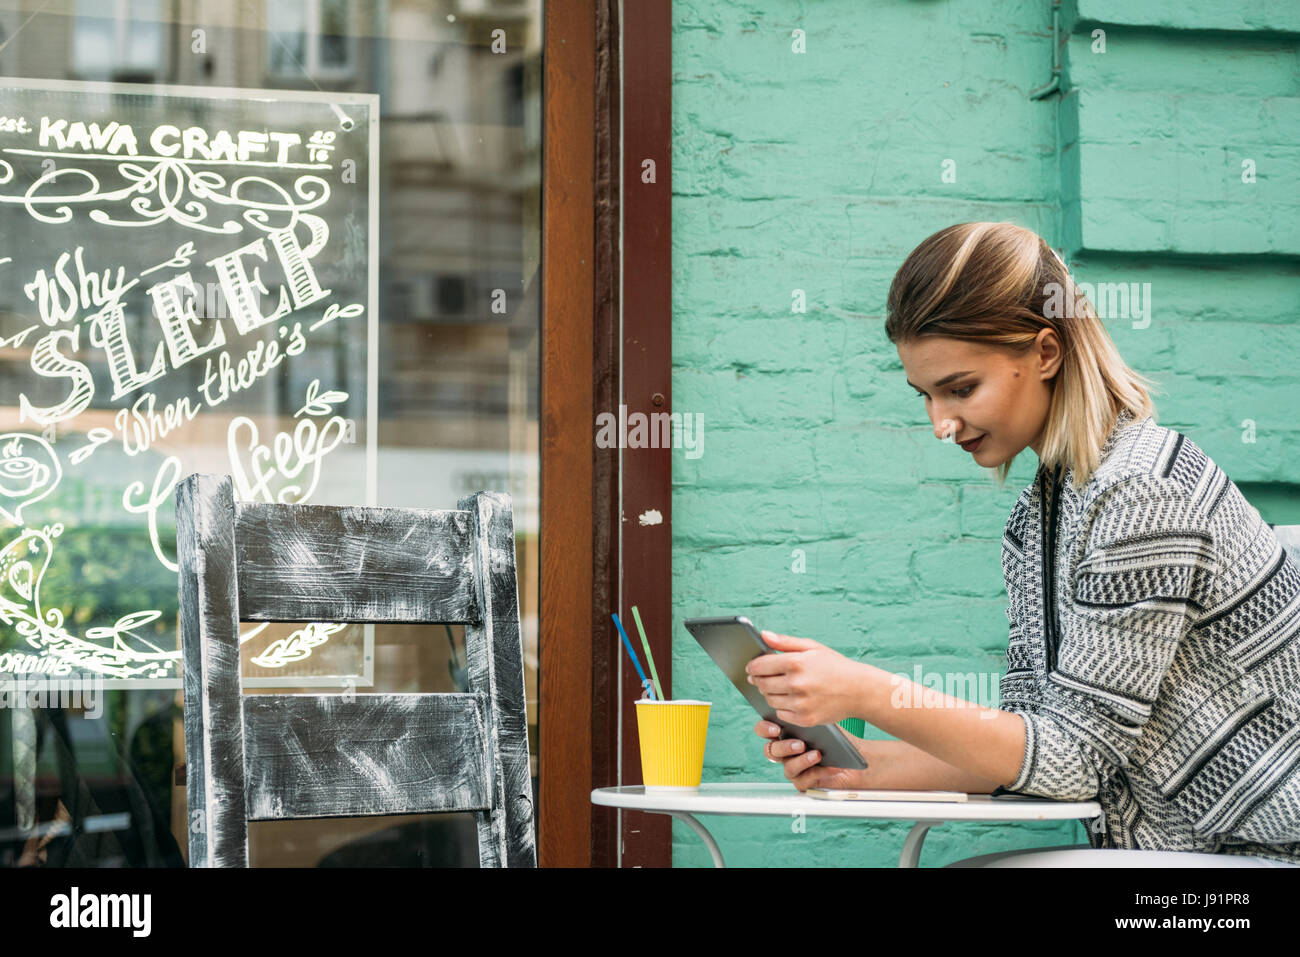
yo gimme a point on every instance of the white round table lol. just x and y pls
(782, 800)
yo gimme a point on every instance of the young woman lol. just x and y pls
(1154, 655)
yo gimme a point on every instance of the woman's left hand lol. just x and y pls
(810, 684)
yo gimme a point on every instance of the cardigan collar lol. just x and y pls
(1125, 419)
(1061, 476)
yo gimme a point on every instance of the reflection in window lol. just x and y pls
(287, 35)
(118, 39)
(459, 247)
(308, 36)
(333, 34)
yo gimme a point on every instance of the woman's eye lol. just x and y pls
(964, 389)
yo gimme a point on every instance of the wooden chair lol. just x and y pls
(278, 757)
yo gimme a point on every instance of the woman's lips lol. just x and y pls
(973, 445)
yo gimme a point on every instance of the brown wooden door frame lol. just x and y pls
(646, 549)
(587, 688)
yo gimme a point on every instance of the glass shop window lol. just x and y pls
(309, 36)
(296, 242)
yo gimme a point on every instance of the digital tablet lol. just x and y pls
(733, 643)
(846, 794)
(842, 794)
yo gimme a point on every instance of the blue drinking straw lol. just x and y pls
(645, 682)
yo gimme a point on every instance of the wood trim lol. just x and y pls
(565, 740)
(646, 557)
(582, 554)
(606, 648)
(647, 382)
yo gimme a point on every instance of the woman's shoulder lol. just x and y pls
(1146, 458)
(1144, 466)
(1160, 478)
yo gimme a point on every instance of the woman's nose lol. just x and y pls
(946, 430)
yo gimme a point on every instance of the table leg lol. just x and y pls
(911, 855)
(704, 834)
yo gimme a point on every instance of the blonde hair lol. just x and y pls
(1000, 284)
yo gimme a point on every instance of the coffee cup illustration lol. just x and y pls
(29, 471)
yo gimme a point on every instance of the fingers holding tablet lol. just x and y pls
(792, 753)
(736, 647)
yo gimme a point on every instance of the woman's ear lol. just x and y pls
(1050, 352)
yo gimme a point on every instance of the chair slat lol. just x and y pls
(342, 756)
(321, 563)
(214, 745)
(495, 659)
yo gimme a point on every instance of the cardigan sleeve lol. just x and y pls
(1146, 575)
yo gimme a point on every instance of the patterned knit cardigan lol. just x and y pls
(1155, 657)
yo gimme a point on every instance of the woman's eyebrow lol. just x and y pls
(944, 381)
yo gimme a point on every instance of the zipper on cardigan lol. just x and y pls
(1047, 539)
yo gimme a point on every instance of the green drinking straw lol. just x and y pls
(636, 615)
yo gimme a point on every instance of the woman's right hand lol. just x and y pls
(805, 770)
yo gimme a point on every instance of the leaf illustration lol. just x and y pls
(320, 403)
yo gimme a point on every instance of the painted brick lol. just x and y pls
(1160, 62)
(1239, 349)
(820, 172)
(1194, 14)
(1163, 155)
(964, 567)
(985, 508)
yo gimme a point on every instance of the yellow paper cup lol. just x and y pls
(672, 737)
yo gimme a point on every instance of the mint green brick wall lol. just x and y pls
(1166, 122)
(1251, 15)
(820, 172)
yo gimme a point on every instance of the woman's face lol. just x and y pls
(979, 392)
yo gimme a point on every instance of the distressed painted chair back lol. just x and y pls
(271, 757)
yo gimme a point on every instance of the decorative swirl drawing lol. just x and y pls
(163, 189)
(298, 645)
(119, 650)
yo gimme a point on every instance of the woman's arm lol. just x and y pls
(891, 765)
(902, 766)
(813, 684)
(977, 743)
